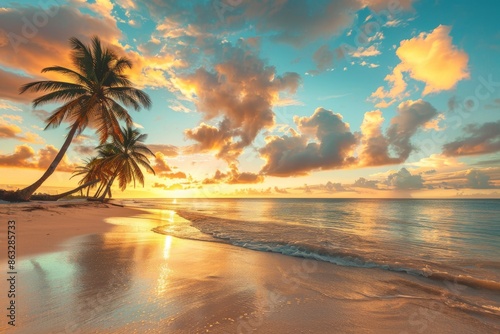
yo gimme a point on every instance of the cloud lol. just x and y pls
(410, 116)
(176, 175)
(280, 190)
(29, 50)
(175, 186)
(396, 92)
(166, 150)
(32, 48)
(160, 166)
(330, 187)
(292, 22)
(241, 90)
(323, 58)
(379, 5)
(163, 170)
(362, 52)
(9, 130)
(430, 58)
(404, 180)
(211, 138)
(299, 22)
(41, 114)
(85, 150)
(364, 183)
(295, 155)
(481, 139)
(233, 176)
(476, 179)
(25, 157)
(8, 106)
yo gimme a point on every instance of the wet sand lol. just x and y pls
(96, 269)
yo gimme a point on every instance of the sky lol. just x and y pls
(283, 98)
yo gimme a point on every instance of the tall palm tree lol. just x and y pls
(123, 157)
(91, 97)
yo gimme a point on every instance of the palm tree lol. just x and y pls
(90, 172)
(91, 97)
(123, 157)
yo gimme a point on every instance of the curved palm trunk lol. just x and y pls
(59, 196)
(25, 194)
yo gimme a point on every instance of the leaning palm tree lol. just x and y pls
(123, 157)
(90, 171)
(91, 97)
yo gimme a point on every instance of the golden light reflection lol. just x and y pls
(164, 271)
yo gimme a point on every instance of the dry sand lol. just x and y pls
(100, 269)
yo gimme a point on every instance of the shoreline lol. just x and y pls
(111, 273)
(40, 226)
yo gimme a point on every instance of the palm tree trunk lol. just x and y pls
(99, 189)
(25, 194)
(108, 187)
(59, 196)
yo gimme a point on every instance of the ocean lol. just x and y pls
(449, 249)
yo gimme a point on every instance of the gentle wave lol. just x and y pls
(213, 229)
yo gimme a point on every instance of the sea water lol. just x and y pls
(452, 246)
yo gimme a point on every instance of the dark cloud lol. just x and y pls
(364, 183)
(476, 179)
(295, 155)
(404, 180)
(330, 187)
(323, 58)
(287, 21)
(481, 139)
(87, 150)
(453, 103)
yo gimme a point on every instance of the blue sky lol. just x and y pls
(368, 98)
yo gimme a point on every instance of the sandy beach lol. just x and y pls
(94, 268)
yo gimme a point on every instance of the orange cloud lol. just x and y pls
(434, 60)
(242, 90)
(430, 58)
(25, 157)
(233, 176)
(12, 131)
(31, 49)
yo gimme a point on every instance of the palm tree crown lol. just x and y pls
(92, 96)
(123, 157)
